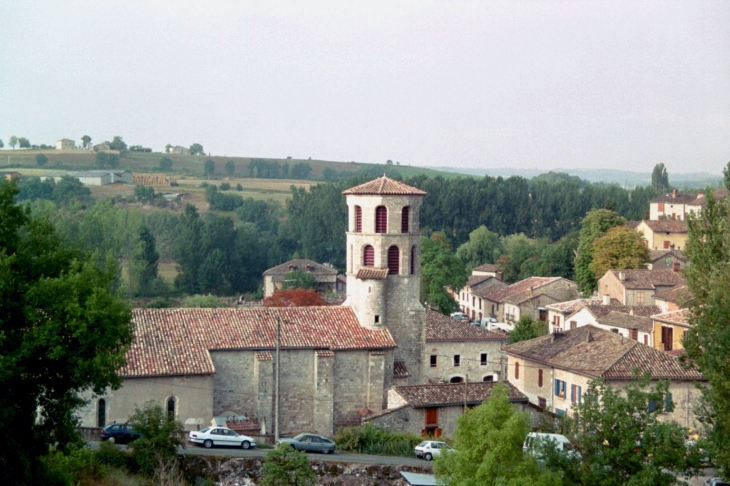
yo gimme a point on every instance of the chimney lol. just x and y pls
(622, 276)
(700, 194)
(674, 193)
(589, 337)
(555, 336)
(606, 299)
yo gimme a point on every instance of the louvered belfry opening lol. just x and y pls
(358, 219)
(368, 256)
(413, 260)
(404, 219)
(393, 260)
(381, 219)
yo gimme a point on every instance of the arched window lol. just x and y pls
(393, 260)
(101, 413)
(517, 371)
(488, 378)
(404, 219)
(171, 408)
(413, 260)
(456, 379)
(381, 219)
(358, 219)
(368, 256)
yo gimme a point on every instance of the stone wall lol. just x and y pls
(470, 360)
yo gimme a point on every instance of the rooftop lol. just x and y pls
(301, 264)
(486, 267)
(643, 279)
(453, 393)
(674, 197)
(571, 306)
(677, 295)
(532, 283)
(598, 353)
(384, 186)
(488, 287)
(179, 341)
(600, 310)
(444, 328)
(657, 254)
(626, 321)
(680, 316)
(666, 226)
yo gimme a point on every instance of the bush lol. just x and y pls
(159, 441)
(368, 439)
(285, 466)
(109, 455)
(204, 301)
(224, 186)
(239, 187)
(77, 466)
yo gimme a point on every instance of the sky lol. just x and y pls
(459, 83)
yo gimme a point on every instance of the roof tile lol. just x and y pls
(444, 328)
(648, 279)
(301, 264)
(384, 186)
(453, 393)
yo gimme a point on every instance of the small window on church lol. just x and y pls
(457, 360)
(101, 413)
(358, 219)
(413, 260)
(171, 408)
(377, 319)
(393, 260)
(368, 256)
(434, 361)
(404, 220)
(381, 219)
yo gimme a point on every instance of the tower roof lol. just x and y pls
(384, 186)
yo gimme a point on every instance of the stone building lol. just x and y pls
(65, 144)
(274, 278)
(335, 363)
(638, 286)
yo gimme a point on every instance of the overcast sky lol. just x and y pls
(482, 84)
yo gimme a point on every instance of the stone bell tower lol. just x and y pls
(384, 265)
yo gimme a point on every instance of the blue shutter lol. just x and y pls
(652, 405)
(668, 405)
(557, 387)
(572, 393)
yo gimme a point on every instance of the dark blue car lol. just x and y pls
(119, 434)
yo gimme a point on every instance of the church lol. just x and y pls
(306, 368)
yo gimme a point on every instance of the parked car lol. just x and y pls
(119, 434)
(220, 436)
(716, 482)
(460, 316)
(428, 449)
(309, 443)
(561, 443)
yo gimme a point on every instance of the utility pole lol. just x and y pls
(276, 379)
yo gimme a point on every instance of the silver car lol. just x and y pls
(309, 443)
(220, 436)
(428, 449)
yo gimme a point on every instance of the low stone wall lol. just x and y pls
(246, 471)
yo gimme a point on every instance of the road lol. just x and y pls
(336, 457)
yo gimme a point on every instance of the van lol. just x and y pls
(460, 316)
(561, 442)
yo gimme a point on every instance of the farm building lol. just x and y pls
(93, 177)
(65, 144)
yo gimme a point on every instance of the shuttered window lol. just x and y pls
(358, 219)
(381, 219)
(393, 260)
(413, 260)
(404, 219)
(368, 256)
(539, 378)
(432, 416)
(517, 371)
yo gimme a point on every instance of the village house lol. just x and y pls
(470, 298)
(178, 150)
(638, 286)
(559, 312)
(665, 234)
(674, 205)
(335, 363)
(672, 299)
(457, 350)
(487, 270)
(65, 144)
(554, 371)
(101, 147)
(528, 297)
(93, 177)
(670, 329)
(275, 278)
(666, 259)
(629, 321)
(434, 409)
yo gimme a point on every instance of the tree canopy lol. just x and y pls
(527, 328)
(440, 269)
(196, 149)
(62, 331)
(660, 177)
(594, 225)
(620, 248)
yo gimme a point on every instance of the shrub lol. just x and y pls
(77, 466)
(368, 439)
(209, 300)
(224, 186)
(160, 438)
(285, 466)
(239, 187)
(109, 455)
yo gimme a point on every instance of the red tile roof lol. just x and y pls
(453, 393)
(626, 321)
(519, 287)
(667, 226)
(372, 273)
(597, 353)
(600, 310)
(642, 279)
(488, 287)
(657, 254)
(384, 186)
(301, 264)
(444, 328)
(486, 267)
(678, 295)
(678, 198)
(178, 341)
(680, 316)
(573, 306)
(475, 280)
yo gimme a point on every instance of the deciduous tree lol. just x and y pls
(41, 160)
(86, 141)
(118, 144)
(23, 143)
(660, 177)
(1, 144)
(483, 247)
(165, 164)
(230, 167)
(160, 436)
(209, 168)
(594, 225)
(298, 279)
(63, 331)
(527, 328)
(196, 149)
(621, 247)
(13, 141)
(440, 269)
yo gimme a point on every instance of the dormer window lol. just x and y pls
(310, 268)
(292, 268)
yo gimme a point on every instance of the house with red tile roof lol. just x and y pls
(674, 205)
(665, 234)
(434, 409)
(666, 259)
(673, 299)
(457, 350)
(670, 329)
(470, 298)
(275, 278)
(528, 297)
(554, 371)
(638, 286)
(632, 322)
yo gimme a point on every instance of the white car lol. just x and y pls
(220, 436)
(428, 449)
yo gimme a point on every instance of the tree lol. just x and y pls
(209, 168)
(165, 164)
(160, 437)
(621, 247)
(298, 279)
(707, 343)
(230, 167)
(660, 178)
(440, 269)
(489, 442)
(295, 298)
(69, 189)
(188, 249)
(301, 170)
(1, 144)
(86, 141)
(118, 144)
(13, 141)
(623, 438)
(167, 148)
(196, 149)
(285, 466)
(388, 162)
(527, 328)
(594, 225)
(41, 160)
(23, 143)
(64, 331)
(483, 247)
(146, 260)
